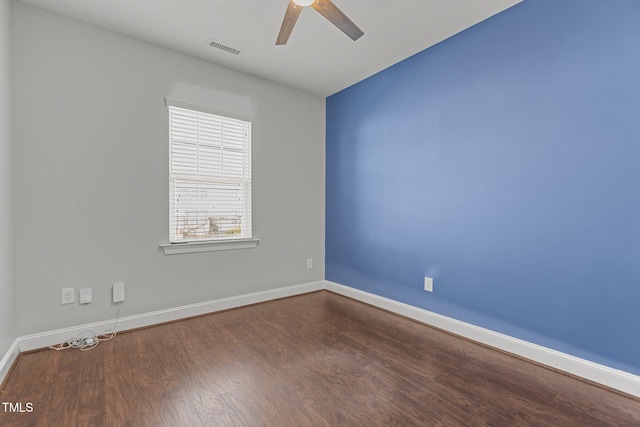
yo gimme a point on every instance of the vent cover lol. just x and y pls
(222, 46)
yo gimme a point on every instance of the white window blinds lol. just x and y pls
(210, 176)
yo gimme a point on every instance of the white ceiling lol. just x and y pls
(318, 58)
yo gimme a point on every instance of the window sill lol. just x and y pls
(208, 246)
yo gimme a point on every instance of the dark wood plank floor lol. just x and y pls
(312, 360)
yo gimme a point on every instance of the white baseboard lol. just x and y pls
(616, 379)
(45, 339)
(613, 378)
(8, 359)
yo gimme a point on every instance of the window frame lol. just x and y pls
(208, 244)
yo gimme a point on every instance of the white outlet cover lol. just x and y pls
(428, 284)
(86, 296)
(118, 292)
(67, 295)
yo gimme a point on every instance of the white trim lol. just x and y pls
(610, 377)
(204, 109)
(44, 339)
(208, 246)
(8, 359)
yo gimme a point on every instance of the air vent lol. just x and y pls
(221, 46)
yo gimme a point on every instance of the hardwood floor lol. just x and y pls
(313, 360)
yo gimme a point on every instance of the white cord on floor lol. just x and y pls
(88, 339)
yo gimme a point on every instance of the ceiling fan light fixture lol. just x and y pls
(325, 8)
(303, 2)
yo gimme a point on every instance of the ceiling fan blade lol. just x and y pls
(289, 21)
(337, 18)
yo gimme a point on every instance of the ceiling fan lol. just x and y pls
(327, 9)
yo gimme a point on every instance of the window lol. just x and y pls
(209, 176)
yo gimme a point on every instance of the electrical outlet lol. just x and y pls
(310, 263)
(67, 295)
(118, 292)
(428, 284)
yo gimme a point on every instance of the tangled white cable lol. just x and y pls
(88, 339)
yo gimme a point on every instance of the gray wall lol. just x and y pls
(7, 260)
(91, 172)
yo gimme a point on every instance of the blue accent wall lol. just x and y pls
(503, 162)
